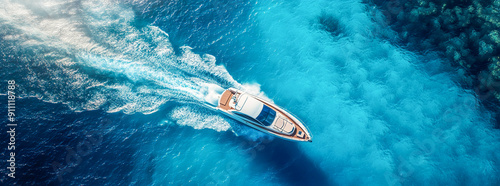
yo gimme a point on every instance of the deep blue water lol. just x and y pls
(113, 92)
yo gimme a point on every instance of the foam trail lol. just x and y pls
(188, 116)
(93, 55)
(212, 93)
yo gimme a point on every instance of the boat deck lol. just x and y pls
(297, 126)
(224, 104)
(225, 99)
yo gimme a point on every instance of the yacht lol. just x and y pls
(262, 115)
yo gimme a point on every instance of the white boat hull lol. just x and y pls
(300, 132)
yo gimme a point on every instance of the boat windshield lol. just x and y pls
(266, 116)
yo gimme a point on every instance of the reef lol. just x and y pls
(467, 32)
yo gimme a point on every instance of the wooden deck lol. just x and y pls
(225, 99)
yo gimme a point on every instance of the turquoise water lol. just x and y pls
(136, 75)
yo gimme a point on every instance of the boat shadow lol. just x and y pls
(290, 163)
(287, 161)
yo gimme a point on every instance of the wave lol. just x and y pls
(96, 55)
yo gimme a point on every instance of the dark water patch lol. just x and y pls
(55, 145)
(205, 25)
(330, 24)
(291, 164)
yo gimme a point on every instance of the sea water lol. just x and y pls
(120, 93)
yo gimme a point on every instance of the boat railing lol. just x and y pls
(296, 118)
(302, 124)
